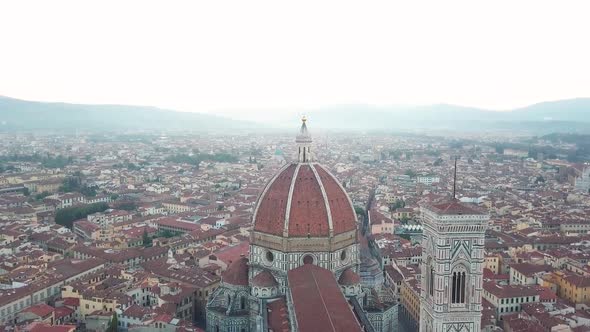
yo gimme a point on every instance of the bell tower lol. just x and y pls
(452, 267)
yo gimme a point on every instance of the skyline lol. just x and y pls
(239, 61)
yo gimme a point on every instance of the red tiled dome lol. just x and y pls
(237, 273)
(304, 199)
(348, 277)
(264, 279)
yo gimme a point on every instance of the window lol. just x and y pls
(458, 287)
(431, 281)
(242, 303)
(270, 256)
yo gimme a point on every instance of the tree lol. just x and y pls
(396, 205)
(147, 240)
(71, 184)
(127, 206)
(42, 195)
(67, 216)
(167, 234)
(113, 325)
(410, 173)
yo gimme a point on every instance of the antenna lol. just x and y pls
(455, 179)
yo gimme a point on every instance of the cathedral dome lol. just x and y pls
(304, 200)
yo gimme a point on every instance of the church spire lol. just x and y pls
(303, 141)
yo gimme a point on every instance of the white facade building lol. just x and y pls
(583, 181)
(427, 179)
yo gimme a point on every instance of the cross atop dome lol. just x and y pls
(304, 141)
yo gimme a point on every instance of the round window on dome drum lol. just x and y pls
(308, 259)
(343, 255)
(270, 256)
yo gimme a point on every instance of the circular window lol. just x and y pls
(269, 256)
(308, 259)
(343, 255)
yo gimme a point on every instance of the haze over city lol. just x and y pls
(265, 166)
(245, 59)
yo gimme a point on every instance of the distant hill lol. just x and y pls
(16, 114)
(572, 115)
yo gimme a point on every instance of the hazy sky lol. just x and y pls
(226, 55)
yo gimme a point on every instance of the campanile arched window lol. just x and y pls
(458, 285)
(431, 281)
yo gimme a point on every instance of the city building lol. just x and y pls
(582, 181)
(452, 267)
(305, 248)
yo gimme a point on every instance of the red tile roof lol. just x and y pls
(72, 301)
(454, 207)
(63, 312)
(528, 269)
(308, 211)
(343, 215)
(348, 277)
(270, 214)
(308, 214)
(264, 279)
(231, 254)
(40, 310)
(42, 327)
(237, 273)
(318, 302)
(278, 316)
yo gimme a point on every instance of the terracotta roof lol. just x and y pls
(318, 302)
(40, 310)
(377, 218)
(237, 273)
(278, 316)
(63, 312)
(272, 206)
(454, 207)
(71, 301)
(264, 279)
(43, 327)
(308, 213)
(348, 277)
(529, 269)
(231, 254)
(509, 291)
